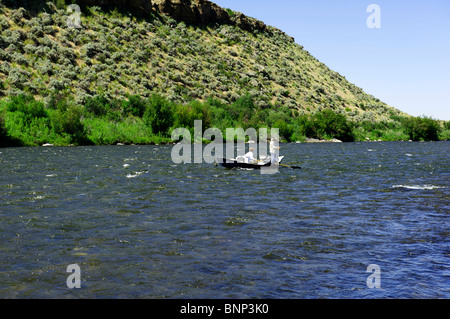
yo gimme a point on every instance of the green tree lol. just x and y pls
(285, 129)
(242, 109)
(186, 114)
(445, 132)
(220, 117)
(134, 105)
(422, 128)
(326, 124)
(27, 107)
(68, 122)
(4, 139)
(98, 105)
(335, 125)
(159, 114)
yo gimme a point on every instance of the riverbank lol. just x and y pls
(25, 121)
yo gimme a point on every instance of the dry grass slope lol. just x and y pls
(115, 54)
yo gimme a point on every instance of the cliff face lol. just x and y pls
(194, 12)
(205, 12)
(135, 6)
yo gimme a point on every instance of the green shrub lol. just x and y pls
(159, 115)
(26, 121)
(242, 109)
(334, 125)
(27, 107)
(102, 131)
(326, 124)
(36, 132)
(17, 77)
(19, 58)
(446, 125)
(60, 4)
(186, 114)
(98, 105)
(394, 135)
(4, 24)
(297, 134)
(4, 139)
(444, 134)
(135, 105)
(68, 123)
(285, 130)
(304, 126)
(422, 128)
(230, 12)
(220, 118)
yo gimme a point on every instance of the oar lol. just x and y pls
(290, 166)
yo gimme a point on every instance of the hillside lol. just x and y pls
(183, 50)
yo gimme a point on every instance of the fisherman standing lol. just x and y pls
(274, 150)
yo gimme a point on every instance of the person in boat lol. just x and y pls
(274, 150)
(249, 157)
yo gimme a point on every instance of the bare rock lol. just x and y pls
(192, 11)
(314, 140)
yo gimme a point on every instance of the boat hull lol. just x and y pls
(232, 163)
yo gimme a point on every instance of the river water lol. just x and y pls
(140, 226)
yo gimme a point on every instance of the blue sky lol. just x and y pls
(405, 63)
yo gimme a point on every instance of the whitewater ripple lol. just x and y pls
(418, 187)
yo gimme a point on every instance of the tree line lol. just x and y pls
(104, 120)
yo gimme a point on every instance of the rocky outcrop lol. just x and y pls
(203, 12)
(137, 7)
(194, 12)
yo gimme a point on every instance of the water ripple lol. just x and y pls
(140, 226)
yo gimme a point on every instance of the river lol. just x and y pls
(140, 226)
